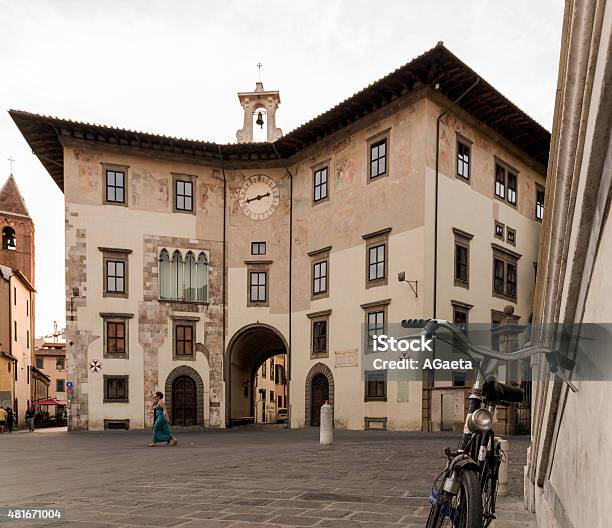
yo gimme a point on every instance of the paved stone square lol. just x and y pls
(255, 476)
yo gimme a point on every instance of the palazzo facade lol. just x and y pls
(189, 264)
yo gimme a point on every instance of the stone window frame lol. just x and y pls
(462, 239)
(464, 309)
(188, 322)
(325, 164)
(372, 141)
(375, 373)
(109, 377)
(113, 317)
(501, 236)
(319, 256)
(467, 143)
(507, 169)
(539, 206)
(259, 245)
(187, 178)
(511, 234)
(115, 255)
(509, 258)
(377, 238)
(115, 167)
(319, 317)
(369, 308)
(258, 266)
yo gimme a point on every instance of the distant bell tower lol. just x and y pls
(264, 105)
(17, 230)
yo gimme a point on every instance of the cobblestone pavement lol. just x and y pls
(251, 477)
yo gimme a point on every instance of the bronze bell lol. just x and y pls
(259, 121)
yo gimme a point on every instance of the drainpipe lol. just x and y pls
(440, 116)
(288, 362)
(228, 396)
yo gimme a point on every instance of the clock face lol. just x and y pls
(259, 197)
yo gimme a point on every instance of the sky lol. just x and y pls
(175, 67)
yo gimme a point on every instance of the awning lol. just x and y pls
(50, 401)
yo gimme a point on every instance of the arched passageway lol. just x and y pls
(251, 346)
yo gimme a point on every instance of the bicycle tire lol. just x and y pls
(468, 505)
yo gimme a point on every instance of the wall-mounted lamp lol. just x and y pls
(414, 285)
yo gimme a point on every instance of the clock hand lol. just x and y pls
(258, 197)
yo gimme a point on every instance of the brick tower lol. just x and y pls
(16, 230)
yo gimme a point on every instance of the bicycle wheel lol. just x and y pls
(463, 510)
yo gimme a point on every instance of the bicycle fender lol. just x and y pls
(463, 462)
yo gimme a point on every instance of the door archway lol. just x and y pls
(319, 382)
(319, 395)
(185, 384)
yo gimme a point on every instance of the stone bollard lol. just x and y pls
(502, 490)
(326, 432)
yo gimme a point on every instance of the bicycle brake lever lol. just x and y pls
(572, 387)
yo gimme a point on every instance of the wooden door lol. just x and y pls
(184, 401)
(320, 393)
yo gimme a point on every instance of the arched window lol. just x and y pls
(202, 278)
(189, 290)
(164, 275)
(8, 239)
(183, 280)
(176, 276)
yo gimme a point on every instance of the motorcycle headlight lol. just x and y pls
(480, 421)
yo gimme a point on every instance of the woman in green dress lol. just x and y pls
(161, 422)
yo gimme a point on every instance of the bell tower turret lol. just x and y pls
(264, 104)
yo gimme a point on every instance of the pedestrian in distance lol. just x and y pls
(30, 418)
(161, 422)
(10, 419)
(2, 419)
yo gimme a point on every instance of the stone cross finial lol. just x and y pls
(11, 160)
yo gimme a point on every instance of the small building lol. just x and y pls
(39, 385)
(16, 350)
(50, 358)
(270, 390)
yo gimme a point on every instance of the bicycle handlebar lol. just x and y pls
(433, 325)
(554, 359)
